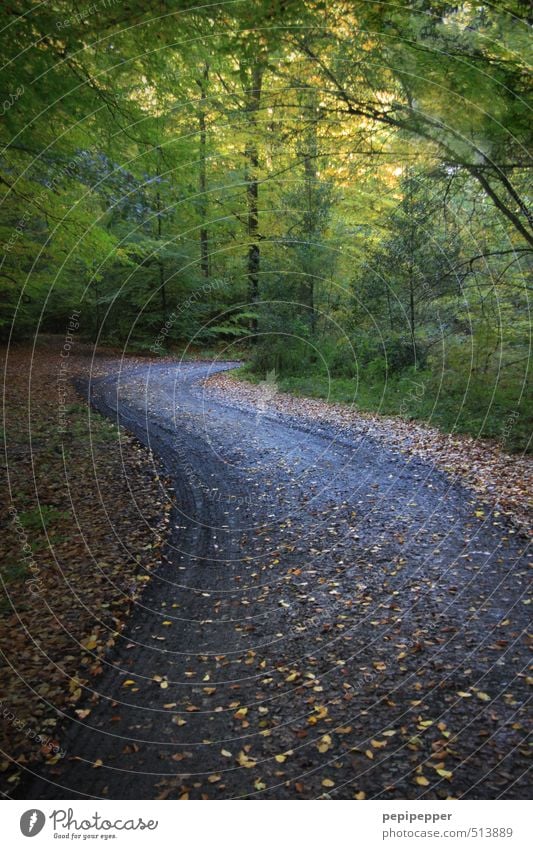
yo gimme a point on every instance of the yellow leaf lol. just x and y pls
(98, 762)
(214, 778)
(360, 795)
(370, 754)
(445, 773)
(128, 683)
(378, 744)
(327, 782)
(83, 713)
(225, 753)
(422, 780)
(324, 743)
(483, 696)
(241, 713)
(464, 695)
(245, 761)
(259, 785)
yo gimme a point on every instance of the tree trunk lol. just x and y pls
(159, 209)
(204, 234)
(310, 154)
(412, 311)
(97, 309)
(252, 196)
(389, 305)
(411, 262)
(162, 282)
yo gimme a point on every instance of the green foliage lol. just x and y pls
(349, 201)
(40, 517)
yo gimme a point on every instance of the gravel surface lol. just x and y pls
(332, 618)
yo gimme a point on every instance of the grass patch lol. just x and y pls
(483, 407)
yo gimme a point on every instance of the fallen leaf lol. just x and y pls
(83, 713)
(444, 773)
(245, 761)
(324, 744)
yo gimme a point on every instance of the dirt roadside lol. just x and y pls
(84, 516)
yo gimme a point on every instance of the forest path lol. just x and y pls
(329, 618)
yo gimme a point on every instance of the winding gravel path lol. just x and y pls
(330, 618)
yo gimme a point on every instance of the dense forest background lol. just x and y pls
(335, 191)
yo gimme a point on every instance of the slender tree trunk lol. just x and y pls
(412, 310)
(97, 309)
(503, 207)
(254, 252)
(204, 234)
(162, 282)
(411, 274)
(159, 209)
(252, 196)
(310, 154)
(389, 306)
(162, 287)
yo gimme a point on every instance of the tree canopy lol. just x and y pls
(338, 188)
